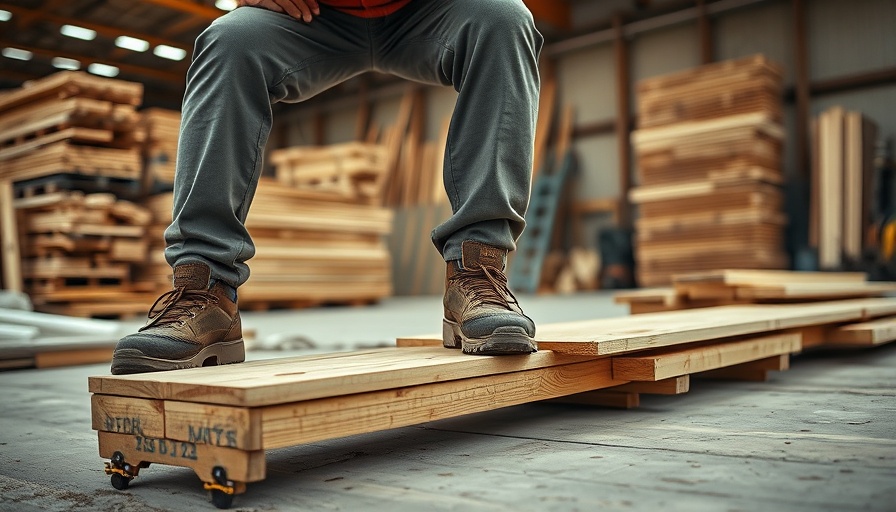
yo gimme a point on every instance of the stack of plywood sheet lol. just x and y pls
(162, 128)
(842, 187)
(219, 421)
(79, 250)
(737, 286)
(709, 168)
(70, 123)
(311, 248)
(354, 170)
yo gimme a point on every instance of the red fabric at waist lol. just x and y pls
(367, 8)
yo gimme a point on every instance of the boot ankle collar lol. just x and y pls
(478, 254)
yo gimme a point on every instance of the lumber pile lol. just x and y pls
(354, 171)
(78, 252)
(843, 203)
(311, 248)
(162, 129)
(70, 123)
(709, 151)
(203, 418)
(733, 286)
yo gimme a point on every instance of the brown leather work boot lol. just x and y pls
(192, 325)
(481, 314)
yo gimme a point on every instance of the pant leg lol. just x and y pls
(488, 50)
(245, 61)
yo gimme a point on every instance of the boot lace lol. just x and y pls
(177, 304)
(485, 285)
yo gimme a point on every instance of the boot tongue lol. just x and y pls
(192, 276)
(476, 254)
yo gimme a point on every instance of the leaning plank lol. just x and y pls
(874, 332)
(653, 330)
(267, 382)
(673, 363)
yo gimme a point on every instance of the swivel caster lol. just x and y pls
(121, 473)
(222, 491)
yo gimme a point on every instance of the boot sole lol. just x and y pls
(126, 361)
(503, 342)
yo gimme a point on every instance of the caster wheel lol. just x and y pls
(120, 482)
(221, 499)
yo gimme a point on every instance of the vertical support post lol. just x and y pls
(802, 89)
(705, 28)
(9, 240)
(623, 120)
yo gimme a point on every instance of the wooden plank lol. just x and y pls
(304, 422)
(815, 290)
(125, 415)
(875, 332)
(748, 277)
(9, 240)
(259, 383)
(609, 398)
(755, 371)
(218, 425)
(74, 357)
(241, 465)
(652, 330)
(673, 363)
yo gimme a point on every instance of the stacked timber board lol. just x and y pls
(733, 286)
(78, 252)
(220, 420)
(843, 206)
(709, 169)
(354, 170)
(311, 248)
(70, 123)
(162, 129)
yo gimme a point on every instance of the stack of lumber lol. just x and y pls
(162, 128)
(733, 286)
(70, 123)
(79, 250)
(709, 167)
(311, 248)
(204, 418)
(842, 210)
(353, 171)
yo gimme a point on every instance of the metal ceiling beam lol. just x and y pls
(203, 11)
(165, 76)
(105, 30)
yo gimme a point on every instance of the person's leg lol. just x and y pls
(245, 61)
(488, 50)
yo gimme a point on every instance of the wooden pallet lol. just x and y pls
(219, 421)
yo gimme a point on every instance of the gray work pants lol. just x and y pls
(251, 58)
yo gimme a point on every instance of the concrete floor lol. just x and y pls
(821, 436)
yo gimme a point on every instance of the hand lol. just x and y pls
(298, 9)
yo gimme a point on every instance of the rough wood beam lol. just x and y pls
(553, 12)
(173, 78)
(105, 30)
(202, 11)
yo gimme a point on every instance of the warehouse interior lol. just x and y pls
(709, 258)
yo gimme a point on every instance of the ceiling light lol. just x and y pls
(5, 15)
(102, 69)
(65, 63)
(225, 5)
(15, 53)
(78, 32)
(169, 52)
(131, 43)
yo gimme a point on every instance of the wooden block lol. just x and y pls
(756, 371)
(123, 415)
(609, 398)
(672, 363)
(670, 386)
(875, 332)
(218, 425)
(241, 465)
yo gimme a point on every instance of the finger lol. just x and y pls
(315, 8)
(268, 4)
(290, 8)
(303, 6)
